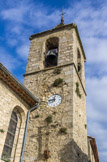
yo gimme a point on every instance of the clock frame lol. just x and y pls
(54, 100)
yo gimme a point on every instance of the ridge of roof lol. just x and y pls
(60, 27)
(15, 80)
(51, 30)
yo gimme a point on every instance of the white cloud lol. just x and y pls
(12, 42)
(103, 155)
(23, 51)
(30, 14)
(14, 14)
(97, 111)
(8, 60)
(96, 50)
(97, 90)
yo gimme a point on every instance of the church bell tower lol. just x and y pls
(57, 130)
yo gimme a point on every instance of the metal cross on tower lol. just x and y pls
(62, 18)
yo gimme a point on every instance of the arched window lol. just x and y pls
(51, 52)
(79, 67)
(11, 139)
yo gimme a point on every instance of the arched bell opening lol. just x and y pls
(79, 62)
(51, 54)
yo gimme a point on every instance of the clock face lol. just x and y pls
(54, 100)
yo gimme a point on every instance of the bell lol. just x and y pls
(51, 57)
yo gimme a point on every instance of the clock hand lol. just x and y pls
(54, 98)
(51, 100)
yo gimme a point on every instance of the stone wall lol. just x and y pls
(79, 114)
(42, 136)
(8, 102)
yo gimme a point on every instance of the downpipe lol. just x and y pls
(26, 127)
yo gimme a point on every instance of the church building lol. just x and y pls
(44, 120)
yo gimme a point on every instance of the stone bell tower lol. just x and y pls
(57, 130)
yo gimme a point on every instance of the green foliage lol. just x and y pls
(85, 125)
(6, 160)
(37, 116)
(1, 130)
(57, 82)
(77, 84)
(57, 71)
(63, 131)
(77, 90)
(6, 157)
(54, 113)
(60, 25)
(49, 119)
(79, 95)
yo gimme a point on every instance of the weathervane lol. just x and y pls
(62, 18)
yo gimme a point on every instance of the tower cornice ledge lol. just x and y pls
(55, 67)
(58, 28)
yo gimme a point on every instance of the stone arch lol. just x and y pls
(20, 110)
(51, 52)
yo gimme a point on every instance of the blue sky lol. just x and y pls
(21, 18)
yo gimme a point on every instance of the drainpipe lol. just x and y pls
(26, 127)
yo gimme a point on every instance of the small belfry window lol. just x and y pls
(78, 54)
(51, 52)
(9, 141)
(79, 67)
(79, 62)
